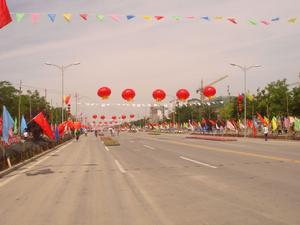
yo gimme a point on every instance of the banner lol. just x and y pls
(5, 17)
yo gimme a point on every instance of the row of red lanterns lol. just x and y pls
(158, 94)
(123, 117)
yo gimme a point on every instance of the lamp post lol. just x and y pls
(62, 68)
(245, 69)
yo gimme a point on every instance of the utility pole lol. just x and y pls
(19, 108)
(76, 99)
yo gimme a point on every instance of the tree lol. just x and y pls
(8, 97)
(273, 99)
(295, 102)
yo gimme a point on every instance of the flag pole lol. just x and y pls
(19, 107)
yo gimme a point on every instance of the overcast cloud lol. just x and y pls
(146, 55)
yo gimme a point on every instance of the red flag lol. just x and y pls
(5, 17)
(61, 129)
(261, 119)
(213, 123)
(43, 123)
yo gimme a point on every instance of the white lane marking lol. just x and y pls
(120, 167)
(197, 162)
(106, 148)
(6, 181)
(147, 146)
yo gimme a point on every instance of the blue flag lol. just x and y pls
(7, 124)
(56, 134)
(23, 124)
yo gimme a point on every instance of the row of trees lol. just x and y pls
(276, 99)
(31, 103)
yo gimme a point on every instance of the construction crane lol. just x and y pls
(200, 90)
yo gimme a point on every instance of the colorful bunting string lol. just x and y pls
(117, 18)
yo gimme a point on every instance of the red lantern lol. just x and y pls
(94, 116)
(131, 116)
(128, 94)
(105, 123)
(123, 117)
(159, 95)
(114, 117)
(104, 92)
(102, 117)
(183, 94)
(209, 91)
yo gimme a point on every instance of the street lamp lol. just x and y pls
(62, 68)
(245, 69)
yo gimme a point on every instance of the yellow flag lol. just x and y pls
(274, 123)
(147, 17)
(218, 17)
(292, 20)
(67, 17)
(249, 96)
(266, 119)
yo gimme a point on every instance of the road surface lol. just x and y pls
(157, 180)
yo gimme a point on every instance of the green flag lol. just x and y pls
(16, 126)
(297, 125)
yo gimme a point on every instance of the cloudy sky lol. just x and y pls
(145, 55)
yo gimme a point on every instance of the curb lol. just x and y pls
(211, 138)
(21, 164)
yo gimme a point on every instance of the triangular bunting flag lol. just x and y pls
(253, 22)
(176, 17)
(67, 17)
(100, 17)
(52, 17)
(129, 17)
(205, 18)
(275, 19)
(147, 17)
(84, 16)
(265, 22)
(159, 17)
(115, 18)
(232, 20)
(35, 17)
(218, 17)
(190, 17)
(19, 16)
(292, 20)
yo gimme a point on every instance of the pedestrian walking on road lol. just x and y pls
(266, 132)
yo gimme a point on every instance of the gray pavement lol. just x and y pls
(159, 180)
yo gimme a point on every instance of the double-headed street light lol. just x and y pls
(245, 69)
(62, 68)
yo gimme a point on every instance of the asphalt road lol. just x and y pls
(161, 180)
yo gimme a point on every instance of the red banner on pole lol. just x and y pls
(5, 17)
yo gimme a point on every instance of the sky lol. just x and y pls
(146, 55)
